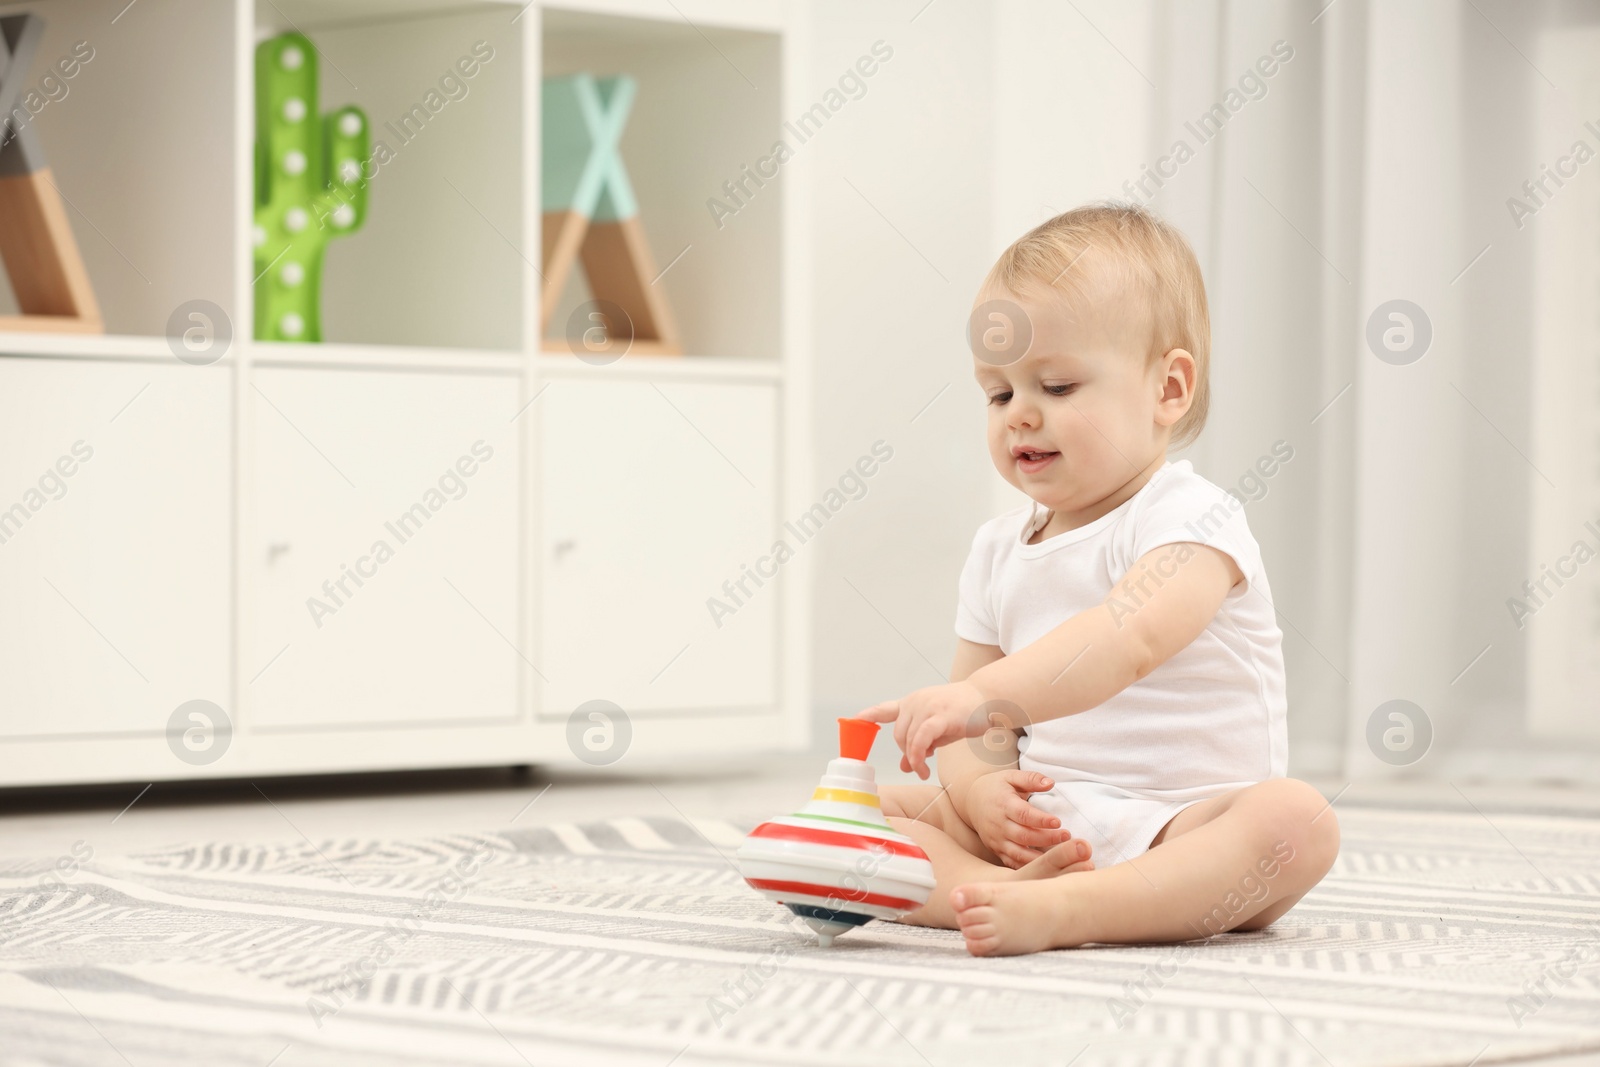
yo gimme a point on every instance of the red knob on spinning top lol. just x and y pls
(856, 737)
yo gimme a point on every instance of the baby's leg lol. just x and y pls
(1241, 862)
(925, 814)
(931, 806)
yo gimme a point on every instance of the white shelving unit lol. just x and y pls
(185, 558)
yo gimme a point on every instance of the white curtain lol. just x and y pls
(1375, 167)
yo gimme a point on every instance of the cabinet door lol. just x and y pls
(384, 549)
(115, 527)
(653, 497)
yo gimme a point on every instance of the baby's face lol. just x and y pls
(1081, 398)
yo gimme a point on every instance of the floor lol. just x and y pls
(119, 820)
(132, 817)
(138, 816)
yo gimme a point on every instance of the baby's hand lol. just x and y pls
(1013, 829)
(928, 718)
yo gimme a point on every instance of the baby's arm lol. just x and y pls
(1163, 603)
(983, 800)
(1014, 830)
(958, 765)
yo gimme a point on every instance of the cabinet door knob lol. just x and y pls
(276, 549)
(562, 547)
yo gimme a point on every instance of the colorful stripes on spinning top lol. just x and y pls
(823, 892)
(846, 796)
(881, 827)
(839, 838)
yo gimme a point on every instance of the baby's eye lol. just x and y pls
(1060, 390)
(999, 398)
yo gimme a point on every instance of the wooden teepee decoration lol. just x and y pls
(590, 213)
(36, 243)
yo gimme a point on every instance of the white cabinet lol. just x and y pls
(435, 567)
(384, 554)
(428, 540)
(115, 527)
(654, 495)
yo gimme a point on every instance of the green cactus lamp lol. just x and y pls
(309, 187)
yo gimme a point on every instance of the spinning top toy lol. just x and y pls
(836, 862)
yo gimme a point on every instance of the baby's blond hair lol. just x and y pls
(1137, 253)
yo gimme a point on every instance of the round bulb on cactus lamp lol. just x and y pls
(837, 863)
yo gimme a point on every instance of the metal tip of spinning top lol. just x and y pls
(828, 923)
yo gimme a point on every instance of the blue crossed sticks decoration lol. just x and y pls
(36, 243)
(589, 210)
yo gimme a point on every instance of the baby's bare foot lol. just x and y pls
(1012, 917)
(1069, 857)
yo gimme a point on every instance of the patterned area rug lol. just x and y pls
(1438, 938)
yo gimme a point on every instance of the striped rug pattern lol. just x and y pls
(1439, 938)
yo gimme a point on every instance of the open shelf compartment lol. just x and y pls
(706, 114)
(437, 260)
(133, 111)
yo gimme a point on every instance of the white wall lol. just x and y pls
(902, 194)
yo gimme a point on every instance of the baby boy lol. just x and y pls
(1118, 687)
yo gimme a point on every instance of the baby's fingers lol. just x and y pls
(885, 712)
(1020, 811)
(902, 734)
(1028, 828)
(1029, 781)
(1037, 839)
(1014, 855)
(924, 738)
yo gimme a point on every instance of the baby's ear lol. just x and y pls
(1177, 385)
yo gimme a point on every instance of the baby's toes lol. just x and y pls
(1059, 859)
(976, 917)
(982, 940)
(1073, 857)
(1077, 859)
(970, 899)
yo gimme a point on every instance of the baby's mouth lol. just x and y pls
(1032, 462)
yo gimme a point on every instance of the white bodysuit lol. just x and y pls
(1209, 720)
